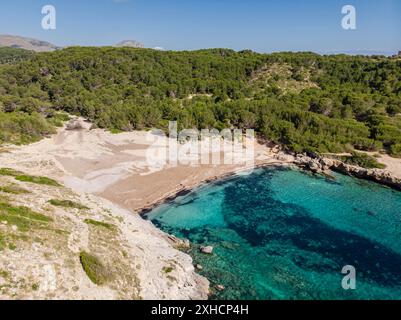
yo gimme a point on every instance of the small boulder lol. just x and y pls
(198, 267)
(75, 125)
(220, 287)
(206, 250)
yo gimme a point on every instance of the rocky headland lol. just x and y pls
(324, 165)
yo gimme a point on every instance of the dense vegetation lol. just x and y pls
(362, 160)
(304, 101)
(13, 55)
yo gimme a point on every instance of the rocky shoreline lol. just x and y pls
(317, 165)
(324, 165)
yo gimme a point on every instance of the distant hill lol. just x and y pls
(18, 42)
(26, 43)
(362, 52)
(130, 43)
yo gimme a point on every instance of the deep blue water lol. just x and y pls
(284, 234)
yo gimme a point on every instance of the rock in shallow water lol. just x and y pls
(206, 250)
(220, 287)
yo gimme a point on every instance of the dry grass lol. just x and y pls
(13, 189)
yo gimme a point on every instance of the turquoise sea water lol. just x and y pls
(284, 234)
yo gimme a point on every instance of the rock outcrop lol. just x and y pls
(324, 165)
(378, 175)
(315, 165)
(129, 44)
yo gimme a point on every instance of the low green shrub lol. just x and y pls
(38, 180)
(363, 160)
(395, 150)
(9, 172)
(67, 204)
(23, 128)
(94, 269)
(22, 217)
(100, 224)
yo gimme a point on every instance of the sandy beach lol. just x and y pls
(115, 167)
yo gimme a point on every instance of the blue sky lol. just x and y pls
(260, 25)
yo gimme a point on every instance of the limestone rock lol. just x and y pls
(206, 250)
(220, 287)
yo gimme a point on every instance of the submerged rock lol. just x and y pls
(206, 250)
(220, 287)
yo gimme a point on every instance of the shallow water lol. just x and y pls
(284, 234)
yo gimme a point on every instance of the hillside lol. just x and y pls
(304, 101)
(56, 244)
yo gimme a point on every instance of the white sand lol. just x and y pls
(115, 166)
